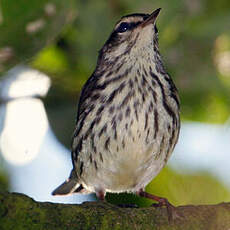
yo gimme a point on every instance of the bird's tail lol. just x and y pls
(70, 186)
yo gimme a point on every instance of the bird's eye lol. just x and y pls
(124, 26)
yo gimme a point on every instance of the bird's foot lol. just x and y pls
(171, 210)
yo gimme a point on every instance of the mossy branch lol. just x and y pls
(18, 211)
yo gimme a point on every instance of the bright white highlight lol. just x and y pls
(24, 82)
(25, 121)
(24, 129)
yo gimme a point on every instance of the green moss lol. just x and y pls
(20, 212)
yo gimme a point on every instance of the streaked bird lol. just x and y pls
(128, 115)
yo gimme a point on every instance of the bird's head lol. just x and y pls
(132, 36)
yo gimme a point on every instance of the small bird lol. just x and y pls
(128, 118)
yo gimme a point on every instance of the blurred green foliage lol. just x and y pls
(27, 26)
(192, 35)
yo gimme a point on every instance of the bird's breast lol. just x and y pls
(127, 132)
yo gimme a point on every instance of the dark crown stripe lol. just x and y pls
(137, 15)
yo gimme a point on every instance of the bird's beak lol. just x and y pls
(151, 19)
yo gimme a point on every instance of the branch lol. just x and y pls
(18, 211)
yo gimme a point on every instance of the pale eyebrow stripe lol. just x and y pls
(129, 20)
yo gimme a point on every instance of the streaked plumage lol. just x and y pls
(128, 116)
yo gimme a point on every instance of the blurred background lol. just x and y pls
(49, 48)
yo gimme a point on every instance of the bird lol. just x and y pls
(128, 118)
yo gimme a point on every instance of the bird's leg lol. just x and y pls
(161, 202)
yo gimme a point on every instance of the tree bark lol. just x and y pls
(18, 211)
